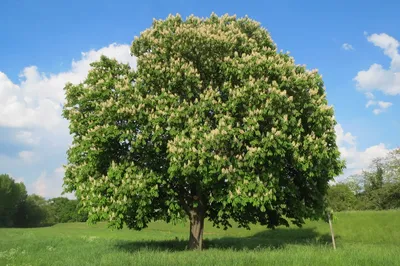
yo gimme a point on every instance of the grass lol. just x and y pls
(363, 238)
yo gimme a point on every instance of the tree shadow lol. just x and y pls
(270, 239)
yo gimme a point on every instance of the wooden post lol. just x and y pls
(332, 234)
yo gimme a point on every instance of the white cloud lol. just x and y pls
(36, 100)
(50, 186)
(27, 137)
(382, 106)
(386, 42)
(19, 110)
(369, 95)
(19, 180)
(356, 160)
(347, 47)
(342, 138)
(26, 156)
(370, 103)
(40, 185)
(33, 107)
(377, 77)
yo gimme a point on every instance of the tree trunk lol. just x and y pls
(196, 229)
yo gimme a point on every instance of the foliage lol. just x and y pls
(363, 238)
(12, 196)
(63, 210)
(355, 184)
(392, 166)
(341, 198)
(17, 209)
(382, 183)
(392, 196)
(214, 122)
(373, 180)
(377, 188)
(33, 212)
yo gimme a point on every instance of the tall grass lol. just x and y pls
(363, 238)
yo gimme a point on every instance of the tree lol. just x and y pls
(341, 198)
(392, 166)
(34, 212)
(12, 195)
(355, 183)
(81, 215)
(63, 210)
(377, 187)
(214, 123)
(374, 179)
(391, 199)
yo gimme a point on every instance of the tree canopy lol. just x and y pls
(213, 123)
(341, 198)
(12, 196)
(18, 209)
(376, 188)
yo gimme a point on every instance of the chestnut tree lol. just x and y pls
(213, 123)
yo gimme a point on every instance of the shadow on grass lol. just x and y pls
(29, 226)
(271, 239)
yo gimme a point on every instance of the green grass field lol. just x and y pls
(363, 238)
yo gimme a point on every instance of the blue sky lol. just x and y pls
(41, 46)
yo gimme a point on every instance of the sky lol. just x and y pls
(44, 44)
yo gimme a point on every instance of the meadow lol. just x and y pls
(362, 238)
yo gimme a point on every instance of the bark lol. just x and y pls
(196, 229)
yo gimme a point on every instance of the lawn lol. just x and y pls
(363, 238)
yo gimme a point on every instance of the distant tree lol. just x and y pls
(12, 196)
(64, 210)
(391, 198)
(378, 186)
(355, 183)
(392, 180)
(17, 209)
(392, 166)
(214, 123)
(374, 179)
(34, 212)
(341, 198)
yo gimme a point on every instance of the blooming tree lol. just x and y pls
(214, 123)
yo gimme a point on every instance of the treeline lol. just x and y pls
(18, 209)
(377, 188)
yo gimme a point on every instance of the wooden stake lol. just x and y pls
(332, 234)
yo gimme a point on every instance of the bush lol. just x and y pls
(341, 198)
(12, 196)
